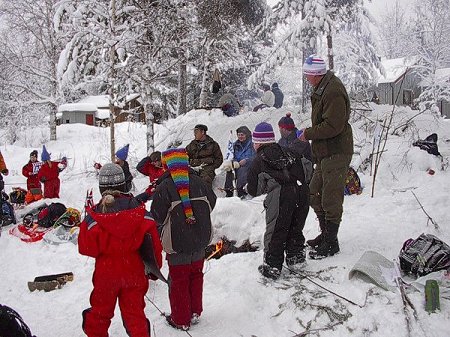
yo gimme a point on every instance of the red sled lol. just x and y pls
(29, 234)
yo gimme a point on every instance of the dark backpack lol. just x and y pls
(424, 255)
(17, 196)
(7, 216)
(12, 324)
(48, 215)
(429, 144)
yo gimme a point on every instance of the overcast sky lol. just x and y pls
(376, 7)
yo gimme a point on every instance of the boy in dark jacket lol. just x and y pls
(182, 205)
(116, 232)
(279, 173)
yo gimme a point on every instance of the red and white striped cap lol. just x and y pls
(314, 65)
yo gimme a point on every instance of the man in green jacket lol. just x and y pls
(332, 149)
(204, 154)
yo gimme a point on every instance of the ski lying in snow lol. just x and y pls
(29, 234)
(50, 282)
(55, 277)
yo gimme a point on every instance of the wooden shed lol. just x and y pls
(399, 85)
(443, 75)
(94, 110)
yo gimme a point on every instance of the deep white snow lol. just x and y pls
(237, 301)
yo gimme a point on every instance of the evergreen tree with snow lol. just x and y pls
(432, 48)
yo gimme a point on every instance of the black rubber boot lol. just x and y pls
(329, 245)
(315, 243)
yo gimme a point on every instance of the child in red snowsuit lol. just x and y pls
(114, 232)
(31, 169)
(49, 174)
(151, 167)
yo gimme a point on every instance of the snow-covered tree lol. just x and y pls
(304, 26)
(432, 41)
(395, 31)
(95, 59)
(227, 43)
(29, 49)
(356, 56)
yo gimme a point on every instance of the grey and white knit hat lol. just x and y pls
(111, 175)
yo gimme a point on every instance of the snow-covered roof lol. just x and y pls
(130, 97)
(101, 101)
(87, 104)
(394, 69)
(92, 103)
(102, 114)
(86, 107)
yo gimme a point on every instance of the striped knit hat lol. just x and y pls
(263, 134)
(287, 122)
(314, 65)
(177, 163)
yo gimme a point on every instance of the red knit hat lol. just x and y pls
(287, 122)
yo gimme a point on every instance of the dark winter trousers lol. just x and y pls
(51, 188)
(287, 233)
(186, 291)
(130, 291)
(327, 187)
(241, 180)
(207, 176)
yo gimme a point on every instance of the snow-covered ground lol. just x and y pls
(237, 301)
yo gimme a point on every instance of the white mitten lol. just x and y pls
(196, 168)
(227, 165)
(61, 166)
(236, 165)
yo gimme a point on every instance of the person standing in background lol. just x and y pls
(121, 160)
(279, 96)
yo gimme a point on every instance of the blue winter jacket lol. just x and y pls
(244, 150)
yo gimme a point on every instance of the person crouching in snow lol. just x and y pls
(49, 174)
(182, 205)
(151, 167)
(118, 232)
(121, 159)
